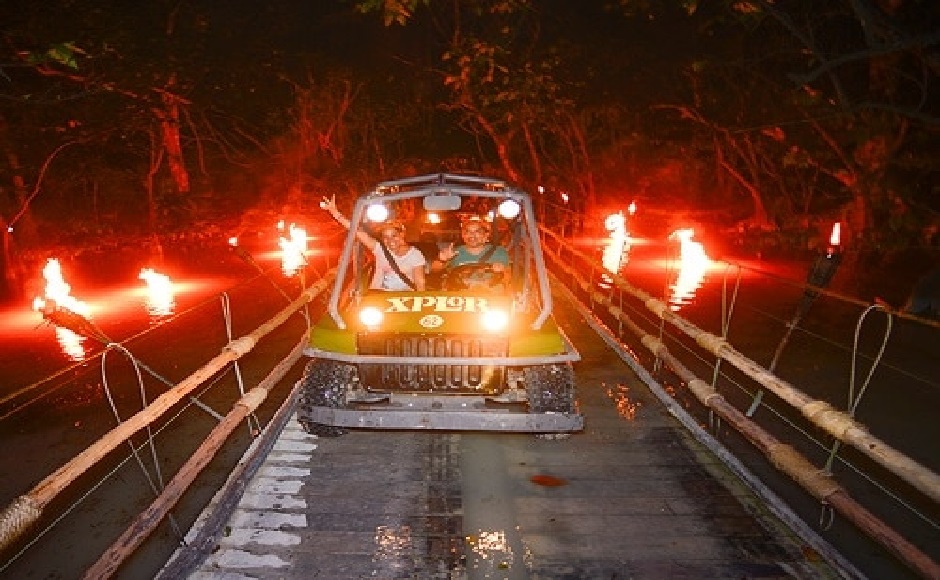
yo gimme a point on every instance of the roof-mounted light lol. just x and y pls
(509, 209)
(377, 213)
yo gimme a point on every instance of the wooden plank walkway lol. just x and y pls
(631, 497)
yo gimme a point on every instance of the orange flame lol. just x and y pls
(293, 249)
(835, 237)
(615, 222)
(618, 245)
(693, 265)
(58, 292)
(160, 292)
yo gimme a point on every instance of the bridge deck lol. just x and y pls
(631, 497)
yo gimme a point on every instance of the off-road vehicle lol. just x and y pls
(465, 354)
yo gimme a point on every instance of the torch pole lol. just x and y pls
(820, 274)
(61, 316)
(248, 259)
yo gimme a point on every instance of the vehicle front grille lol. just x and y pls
(410, 376)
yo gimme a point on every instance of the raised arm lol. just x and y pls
(329, 204)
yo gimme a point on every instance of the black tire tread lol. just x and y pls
(550, 388)
(324, 384)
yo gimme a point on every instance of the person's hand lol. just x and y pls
(498, 267)
(328, 203)
(447, 253)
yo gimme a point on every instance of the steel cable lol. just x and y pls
(155, 486)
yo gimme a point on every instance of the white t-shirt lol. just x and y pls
(385, 277)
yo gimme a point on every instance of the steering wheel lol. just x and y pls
(474, 274)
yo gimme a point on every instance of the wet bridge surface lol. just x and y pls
(633, 496)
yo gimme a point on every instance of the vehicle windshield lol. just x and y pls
(474, 235)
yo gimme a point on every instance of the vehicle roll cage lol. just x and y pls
(445, 184)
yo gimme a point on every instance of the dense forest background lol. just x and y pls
(122, 120)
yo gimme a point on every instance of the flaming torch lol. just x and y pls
(243, 254)
(693, 265)
(66, 312)
(248, 259)
(822, 271)
(293, 250)
(618, 244)
(160, 300)
(820, 275)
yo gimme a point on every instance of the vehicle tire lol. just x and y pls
(550, 388)
(324, 384)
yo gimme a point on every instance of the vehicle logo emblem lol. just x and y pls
(431, 321)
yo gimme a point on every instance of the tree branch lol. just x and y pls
(898, 46)
(42, 173)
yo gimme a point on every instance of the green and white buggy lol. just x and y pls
(457, 356)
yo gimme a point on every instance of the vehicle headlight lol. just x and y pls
(370, 316)
(495, 320)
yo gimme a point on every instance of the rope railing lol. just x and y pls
(837, 423)
(36, 391)
(147, 520)
(782, 456)
(26, 509)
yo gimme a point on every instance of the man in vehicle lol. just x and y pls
(475, 263)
